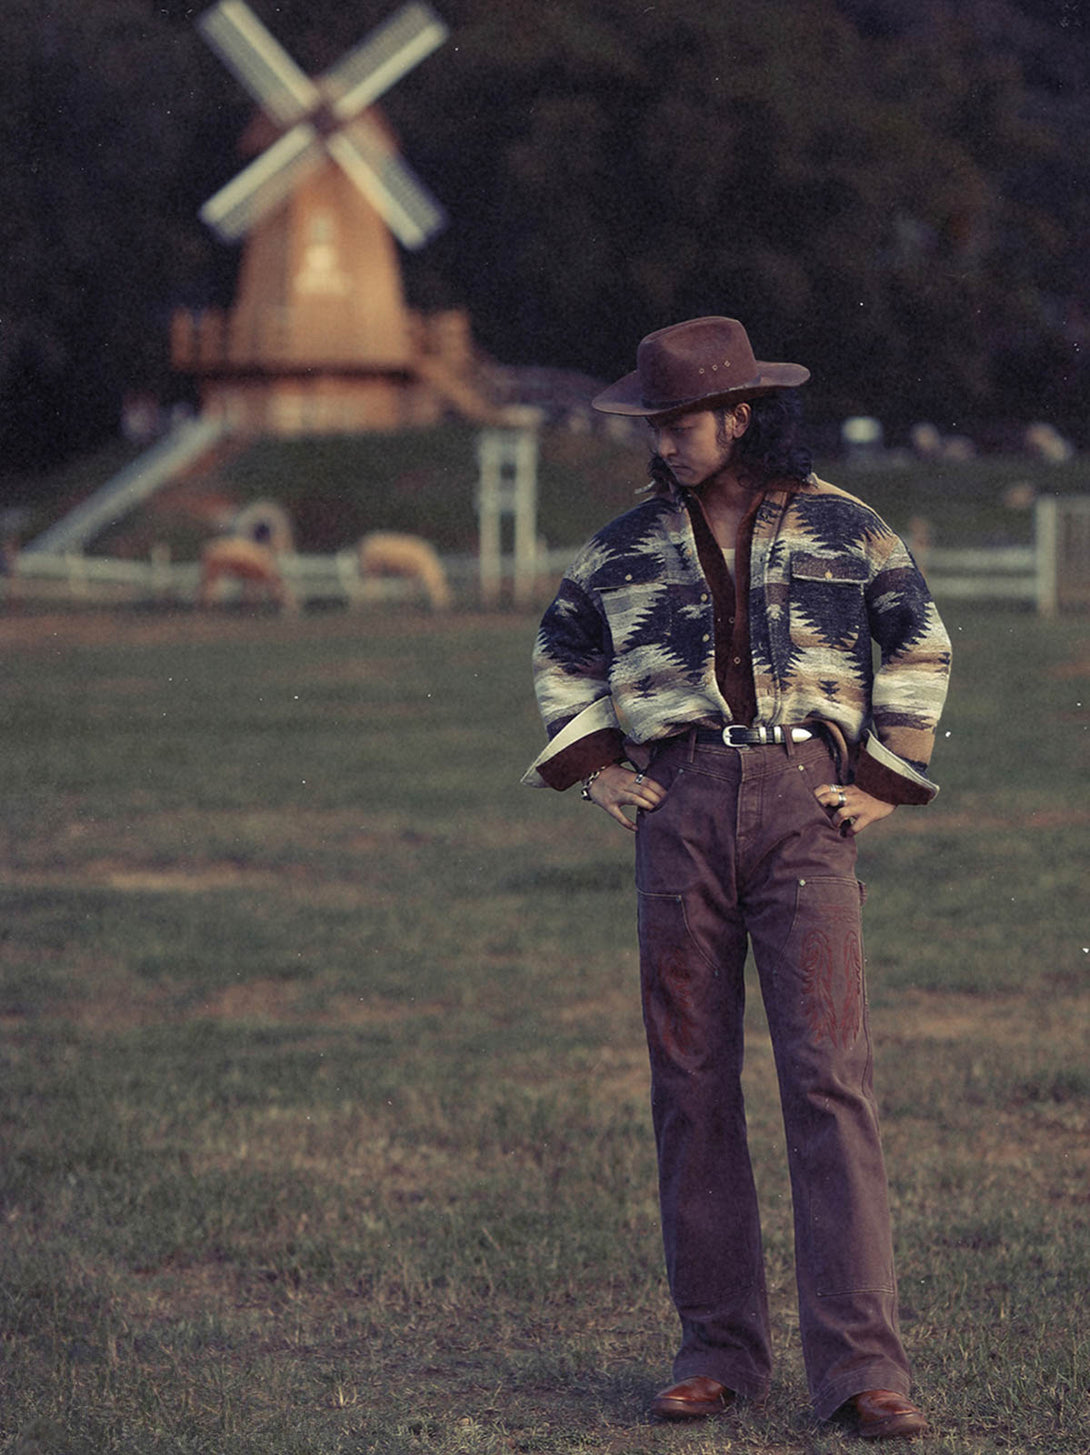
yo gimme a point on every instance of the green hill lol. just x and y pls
(337, 488)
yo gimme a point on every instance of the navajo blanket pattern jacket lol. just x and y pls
(628, 642)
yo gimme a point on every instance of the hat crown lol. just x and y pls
(701, 363)
(689, 360)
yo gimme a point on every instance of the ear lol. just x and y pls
(740, 420)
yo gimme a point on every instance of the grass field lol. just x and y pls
(324, 1112)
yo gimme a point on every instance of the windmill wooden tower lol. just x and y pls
(319, 338)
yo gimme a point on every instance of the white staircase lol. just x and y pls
(167, 458)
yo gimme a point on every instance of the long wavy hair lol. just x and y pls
(771, 450)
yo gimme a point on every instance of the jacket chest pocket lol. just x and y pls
(635, 601)
(827, 605)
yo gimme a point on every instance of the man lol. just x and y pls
(708, 663)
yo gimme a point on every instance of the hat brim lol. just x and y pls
(627, 397)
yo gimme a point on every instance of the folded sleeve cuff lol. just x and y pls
(591, 740)
(883, 775)
(574, 763)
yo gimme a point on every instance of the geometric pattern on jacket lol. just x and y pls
(628, 642)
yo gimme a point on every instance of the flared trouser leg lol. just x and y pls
(741, 851)
(711, 1228)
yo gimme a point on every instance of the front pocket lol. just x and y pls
(666, 864)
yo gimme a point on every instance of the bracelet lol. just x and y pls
(589, 779)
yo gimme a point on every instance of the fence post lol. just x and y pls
(507, 486)
(160, 574)
(76, 570)
(1046, 541)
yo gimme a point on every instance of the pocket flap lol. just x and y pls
(846, 570)
(624, 571)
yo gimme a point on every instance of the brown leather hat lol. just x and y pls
(696, 363)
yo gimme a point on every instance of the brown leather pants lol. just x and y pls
(739, 853)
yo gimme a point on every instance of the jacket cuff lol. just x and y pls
(552, 767)
(883, 775)
(573, 764)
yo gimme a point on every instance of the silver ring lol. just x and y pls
(841, 800)
(639, 777)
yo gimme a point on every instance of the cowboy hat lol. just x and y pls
(696, 363)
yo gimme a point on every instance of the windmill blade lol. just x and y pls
(264, 183)
(409, 209)
(259, 61)
(383, 58)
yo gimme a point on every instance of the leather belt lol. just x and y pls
(736, 736)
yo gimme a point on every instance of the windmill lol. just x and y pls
(319, 337)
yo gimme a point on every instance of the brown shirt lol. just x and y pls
(730, 602)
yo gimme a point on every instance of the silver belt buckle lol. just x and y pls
(762, 736)
(743, 739)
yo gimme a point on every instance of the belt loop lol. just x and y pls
(789, 742)
(692, 744)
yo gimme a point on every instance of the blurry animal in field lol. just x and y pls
(1047, 443)
(928, 442)
(1020, 496)
(390, 553)
(250, 561)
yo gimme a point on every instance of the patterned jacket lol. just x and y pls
(628, 643)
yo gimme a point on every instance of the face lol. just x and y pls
(695, 445)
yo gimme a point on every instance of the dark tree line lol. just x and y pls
(894, 191)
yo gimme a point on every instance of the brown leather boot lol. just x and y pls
(882, 1414)
(692, 1399)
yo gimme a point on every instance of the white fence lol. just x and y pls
(987, 573)
(1052, 574)
(108, 579)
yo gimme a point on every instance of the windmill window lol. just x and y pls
(321, 270)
